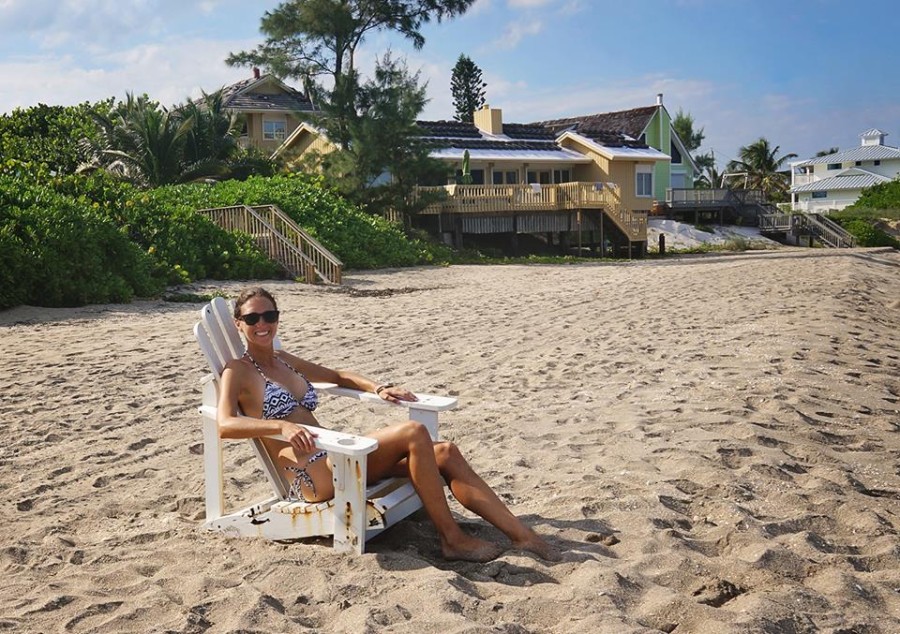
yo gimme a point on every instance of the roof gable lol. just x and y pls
(631, 122)
(245, 96)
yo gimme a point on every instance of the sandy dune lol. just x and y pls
(714, 442)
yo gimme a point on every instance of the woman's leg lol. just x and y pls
(408, 450)
(475, 494)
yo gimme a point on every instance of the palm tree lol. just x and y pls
(709, 176)
(212, 141)
(149, 145)
(764, 168)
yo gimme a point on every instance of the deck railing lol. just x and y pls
(282, 239)
(714, 197)
(500, 199)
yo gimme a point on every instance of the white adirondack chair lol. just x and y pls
(355, 514)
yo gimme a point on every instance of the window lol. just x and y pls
(858, 163)
(561, 176)
(643, 186)
(834, 166)
(820, 194)
(675, 154)
(539, 177)
(877, 162)
(273, 129)
(477, 177)
(510, 177)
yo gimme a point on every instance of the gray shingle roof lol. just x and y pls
(631, 122)
(241, 96)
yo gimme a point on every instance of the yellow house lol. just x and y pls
(568, 184)
(271, 110)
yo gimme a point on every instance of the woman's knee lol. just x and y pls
(448, 455)
(415, 432)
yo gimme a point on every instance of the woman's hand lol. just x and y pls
(302, 439)
(395, 394)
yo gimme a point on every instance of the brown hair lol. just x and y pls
(249, 293)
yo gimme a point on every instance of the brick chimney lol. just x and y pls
(255, 73)
(489, 120)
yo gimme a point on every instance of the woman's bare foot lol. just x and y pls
(468, 548)
(535, 544)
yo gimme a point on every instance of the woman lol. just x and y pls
(273, 391)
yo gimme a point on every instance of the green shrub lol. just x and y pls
(868, 235)
(360, 240)
(63, 254)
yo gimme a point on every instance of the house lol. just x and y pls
(835, 181)
(651, 125)
(271, 110)
(591, 178)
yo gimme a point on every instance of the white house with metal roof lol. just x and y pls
(835, 181)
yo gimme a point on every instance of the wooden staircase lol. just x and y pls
(282, 239)
(819, 227)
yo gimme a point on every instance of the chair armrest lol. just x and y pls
(327, 439)
(427, 402)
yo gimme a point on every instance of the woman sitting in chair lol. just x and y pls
(273, 390)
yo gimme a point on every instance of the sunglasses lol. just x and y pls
(251, 319)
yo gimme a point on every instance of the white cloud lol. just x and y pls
(515, 32)
(169, 72)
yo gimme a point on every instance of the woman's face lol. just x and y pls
(263, 331)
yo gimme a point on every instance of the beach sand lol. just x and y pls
(713, 442)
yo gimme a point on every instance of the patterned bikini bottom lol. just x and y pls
(302, 477)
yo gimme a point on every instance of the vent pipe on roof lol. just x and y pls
(659, 99)
(255, 73)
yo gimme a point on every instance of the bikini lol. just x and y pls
(279, 403)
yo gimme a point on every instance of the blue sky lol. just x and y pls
(805, 74)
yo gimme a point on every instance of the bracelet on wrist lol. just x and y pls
(383, 386)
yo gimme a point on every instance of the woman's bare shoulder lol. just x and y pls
(239, 366)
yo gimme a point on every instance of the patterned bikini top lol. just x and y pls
(278, 402)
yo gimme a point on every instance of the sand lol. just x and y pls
(713, 442)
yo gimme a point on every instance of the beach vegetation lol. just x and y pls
(874, 219)
(148, 145)
(50, 135)
(60, 251)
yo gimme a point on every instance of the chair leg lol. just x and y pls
(349, 503)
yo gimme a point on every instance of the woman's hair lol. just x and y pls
(249, 293)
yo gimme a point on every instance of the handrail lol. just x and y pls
(282, 240)
(828, 231)
(824, 229)
(327, 264)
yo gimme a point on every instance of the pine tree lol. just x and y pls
(467, 88)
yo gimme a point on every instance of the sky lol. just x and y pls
(807, 75)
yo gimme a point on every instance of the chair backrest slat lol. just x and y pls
(219, 339)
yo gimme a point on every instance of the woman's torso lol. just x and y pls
(280, 392)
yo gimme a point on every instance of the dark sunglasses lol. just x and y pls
(251, 319)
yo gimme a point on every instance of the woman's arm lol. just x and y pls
(348, 379)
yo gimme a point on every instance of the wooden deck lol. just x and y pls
(532, 201)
